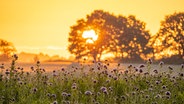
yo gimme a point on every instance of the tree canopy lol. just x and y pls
(169, 41)
(95, 21)
(126, 37)
(121, 35)
(133, 39)
(6, 50)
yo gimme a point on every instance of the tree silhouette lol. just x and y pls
(116, 34)
(102, 23)
(169, 40)
(105, 24)
(76, 42)
(134, 39)
(6, 50)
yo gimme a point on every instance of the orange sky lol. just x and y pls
(43, 25)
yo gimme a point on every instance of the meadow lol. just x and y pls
(92, 83)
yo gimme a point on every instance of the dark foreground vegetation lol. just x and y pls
(94, 83)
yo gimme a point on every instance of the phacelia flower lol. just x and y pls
(88, 93)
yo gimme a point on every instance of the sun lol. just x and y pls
(90, 36)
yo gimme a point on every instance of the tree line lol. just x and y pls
(127, 38)
(6, 50)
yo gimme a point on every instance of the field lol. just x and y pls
(92, 83)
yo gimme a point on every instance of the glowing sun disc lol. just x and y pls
(90, 35)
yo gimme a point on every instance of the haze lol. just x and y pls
(43, 25)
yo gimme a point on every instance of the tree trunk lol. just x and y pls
(99, 57)
(183, 54)
(94, 57)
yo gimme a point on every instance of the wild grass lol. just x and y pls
(94, 83)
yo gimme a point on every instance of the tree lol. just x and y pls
(124, 37)
(6, 50)
(76, 42)
(134, 39)
(169, 41)
(103, 25)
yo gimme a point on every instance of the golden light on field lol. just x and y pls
(35, 25)
(90, 36)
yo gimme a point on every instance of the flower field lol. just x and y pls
(93, 83)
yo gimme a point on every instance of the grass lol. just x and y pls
(95, 83)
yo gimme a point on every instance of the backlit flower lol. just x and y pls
(88, 93)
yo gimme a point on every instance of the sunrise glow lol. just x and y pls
(35, 25)
(90, 36)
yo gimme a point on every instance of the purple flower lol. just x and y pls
(54, 95)
(158, 96)
(133, 93)
(140, 70)
(130, 66)
(168, 93)
(48, 94)
(74, 87)
(161, 63)
(64, 94)
(181, 74)
(55, 102)
(164, 87)
(110, 88)
(141, 66)
(114, 70)
(15, 56)
(147, 96)
(126, 72)
(35, 90)
(88, 93)
(115, 78)
(157, 82)
(62, 69)
(155, 71)
(182, 66)
(7, 72)
(38, 62)
(103, 88)
(150, 61)
(94, 81)
(170, 67)
(2, 66)
(69, 95)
